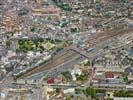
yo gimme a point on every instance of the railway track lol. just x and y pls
(70, 53)
(55, 61)
(107, 35)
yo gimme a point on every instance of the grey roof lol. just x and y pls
(129, 70)
(130, 52)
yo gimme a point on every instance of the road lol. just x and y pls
(55, 61)
(6, 82)
(71, 52)
(60, 60)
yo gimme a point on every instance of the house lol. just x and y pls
(100, 96)
(99, 75)
(130, 77)
(2, 96)
(123, 98)
(70, 90)
(95, 80)
(74, 72)
(129, 86)
(50, 81)
(129, 70)
(54, 80)
(109, 75)
(2, 73)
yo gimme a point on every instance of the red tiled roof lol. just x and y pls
(90, 71)
(50, 81)
(96, 79)
(53, 80)
(109, 75)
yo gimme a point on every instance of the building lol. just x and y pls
(52, 12)
(123, 98)
(53, 80)
(109, 75)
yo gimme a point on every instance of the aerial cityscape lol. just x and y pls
(66, 49)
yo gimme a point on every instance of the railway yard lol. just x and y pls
(66, 50)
